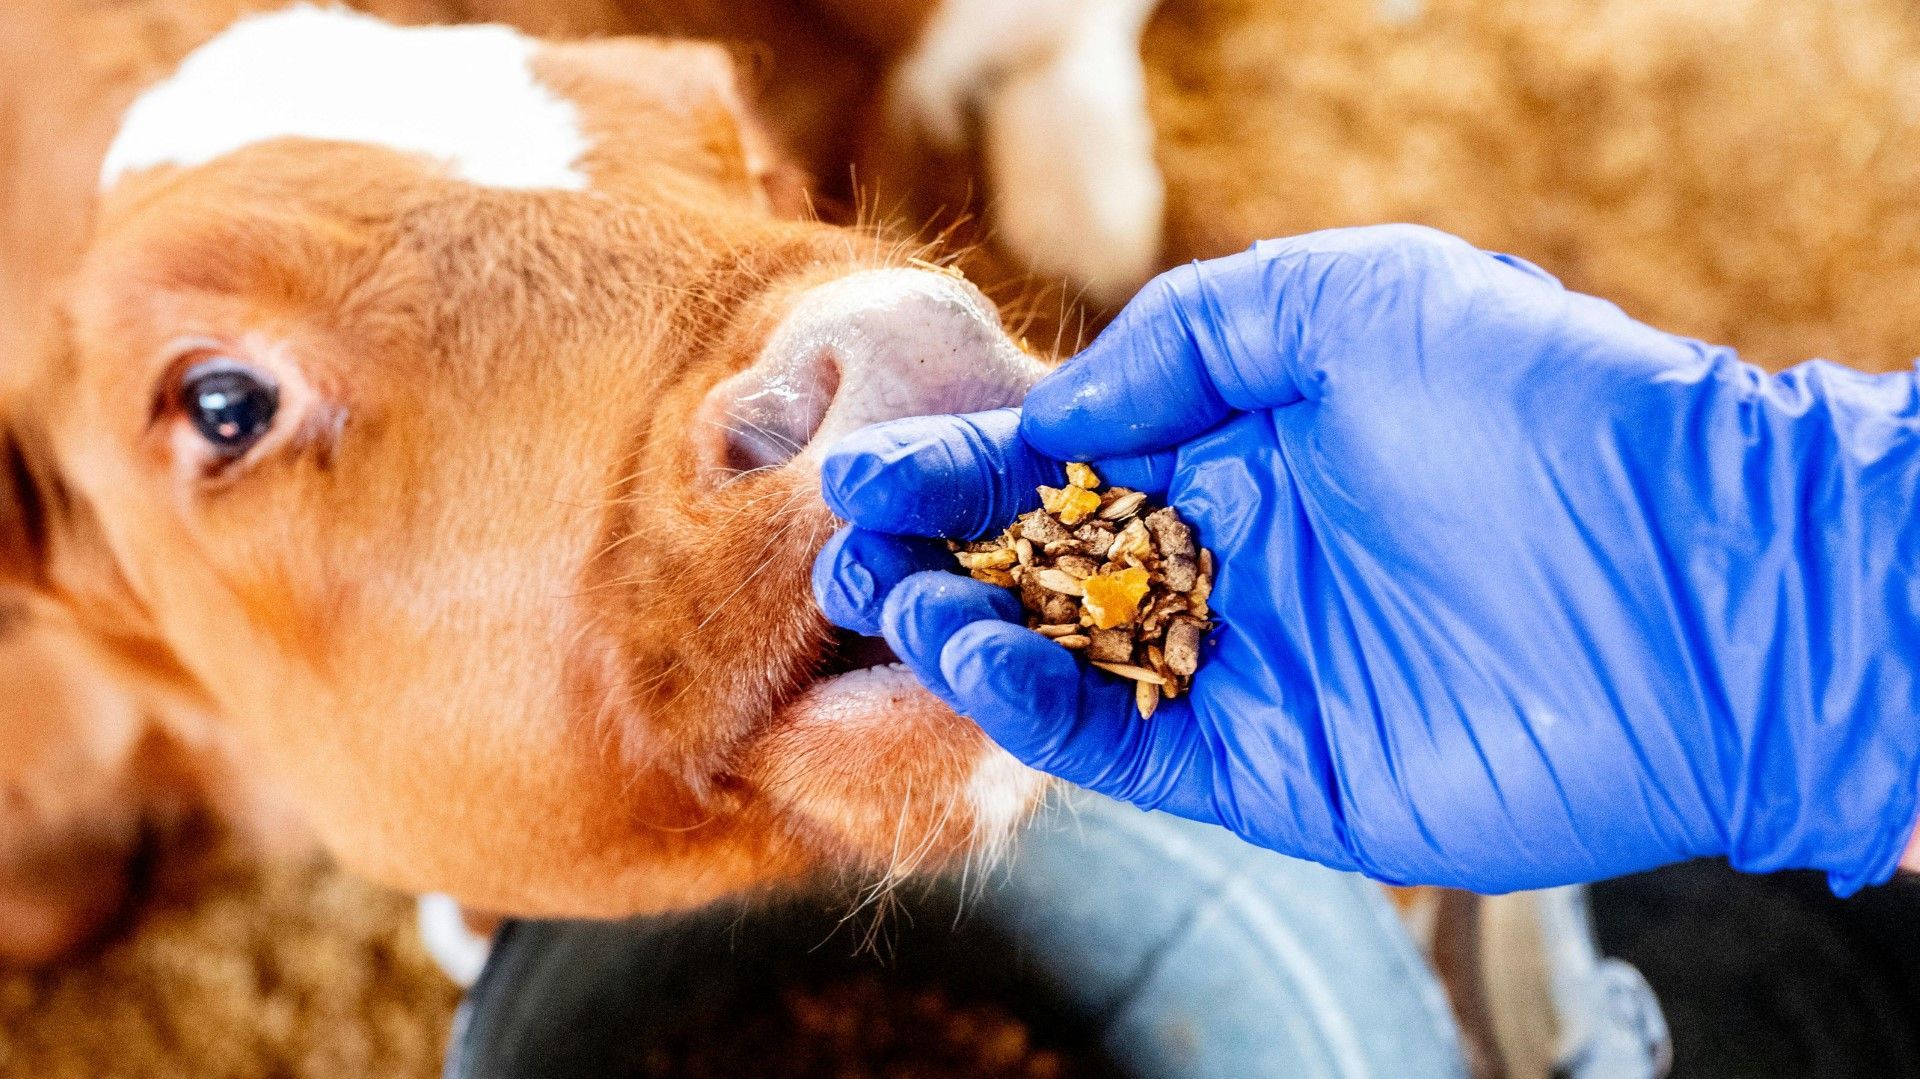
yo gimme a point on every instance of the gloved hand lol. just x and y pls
(1512, 590)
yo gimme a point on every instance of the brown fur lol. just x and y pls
(1744, 173)
(1276, 118)
(473, 609)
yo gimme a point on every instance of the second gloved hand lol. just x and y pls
(1512, 590)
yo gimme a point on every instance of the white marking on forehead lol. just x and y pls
(462, 95)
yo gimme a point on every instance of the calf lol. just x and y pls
(438, 411)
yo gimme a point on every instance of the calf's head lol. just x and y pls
(442, 409)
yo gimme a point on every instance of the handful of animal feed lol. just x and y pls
(1101, 572)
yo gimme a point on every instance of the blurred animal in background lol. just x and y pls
(410, 429)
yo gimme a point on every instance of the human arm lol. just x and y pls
(1513, 590)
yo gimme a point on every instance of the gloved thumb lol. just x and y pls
(1036, 700)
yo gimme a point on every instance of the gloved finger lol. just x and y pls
(1040, 704)
(1149, 472)
(961, 476)
(857, 568)
(927, 608)
(1242, 333)
(964, 476)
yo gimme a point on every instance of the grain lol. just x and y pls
(1104, 574)
(863, 1024)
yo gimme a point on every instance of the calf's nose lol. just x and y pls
(872, 346)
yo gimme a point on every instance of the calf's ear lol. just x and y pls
(645, 100)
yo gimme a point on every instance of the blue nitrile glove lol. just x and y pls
(1512, 590)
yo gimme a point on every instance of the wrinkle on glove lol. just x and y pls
(1511, 590)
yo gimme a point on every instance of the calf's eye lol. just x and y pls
(229, 404)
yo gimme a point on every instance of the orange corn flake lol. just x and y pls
(1114, 598)
(1070, 504)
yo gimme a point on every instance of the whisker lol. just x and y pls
(780, 535)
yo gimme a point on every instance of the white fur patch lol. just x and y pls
(1060, 91)
(464, 96)
(1000, 791)
(459, 952)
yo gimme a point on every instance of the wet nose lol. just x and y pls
(872, 346)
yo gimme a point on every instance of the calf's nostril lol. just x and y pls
(764, 416)
(872, 346)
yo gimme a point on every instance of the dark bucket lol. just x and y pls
(1157, 948)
